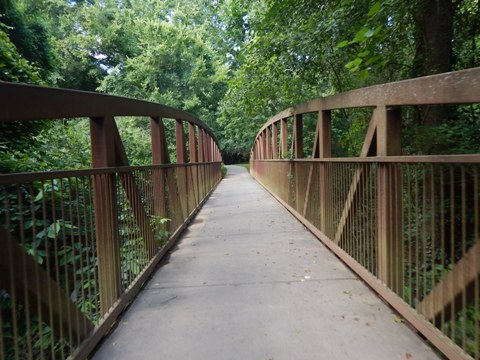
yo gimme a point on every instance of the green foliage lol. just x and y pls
(24, 57)
(173, 66)
(30, 39)
(458, 135)
(13, 66)
(63, 145)
(135, 134)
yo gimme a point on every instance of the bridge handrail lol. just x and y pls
(22, 102)
(77, 245)
(408, 225)
(458, 87)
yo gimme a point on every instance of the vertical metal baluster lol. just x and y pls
(343, 240)
(401, 230)
(417, 240)
(452, 245)
(147, 186)
(476, 232)
(373, 221)
(86, 294)
(98, 315)
(442, 242)
(362, 224)
(390, 255)
(125, 232)
(21, 225)
(432, 230)
(144, 254)
(127, 243)
(336, 189)
(65, 267)
(370, 250)
(48, 267)
(13, 294)
(133, 231)
(345, 196)
(142, 248)
(81, 247)
(151, 213)
(464, 251)
(144, 185)
(424, 230)
(74, 255)
(36, 274)
(333, 177)
(331, 208)
(139, 245)
(409, 232)
(339, 182)
(364, 216)
(356, 217)
(348, 180)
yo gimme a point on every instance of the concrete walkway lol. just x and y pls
(248, 281)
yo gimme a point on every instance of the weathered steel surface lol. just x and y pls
(114, 213)
(74, 104)
(459, 87)
(405, 220)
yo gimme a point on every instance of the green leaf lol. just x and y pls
(354, 64)
(39, 196)
(372, 60)
(363, 34)
(363, 75)
(363, 53)
(375, 9)
(343, 43)
(369, 33)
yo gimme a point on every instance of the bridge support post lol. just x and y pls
(268, 152)
(201, 159)
(389, 202)
(181, 171)
(324, 134)
(300, 169)
(274, 141)
(284, 138)
(192, 146)
(159, 156)
(106, 218)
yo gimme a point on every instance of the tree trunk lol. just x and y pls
(434, 52)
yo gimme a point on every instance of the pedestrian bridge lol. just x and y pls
(309, 256)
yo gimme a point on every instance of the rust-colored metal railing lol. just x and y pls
(76, 246)
(408, 225)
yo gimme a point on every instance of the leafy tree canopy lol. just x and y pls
(234, 63)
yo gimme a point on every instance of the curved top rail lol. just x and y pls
(24, 102)
(458, 87)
